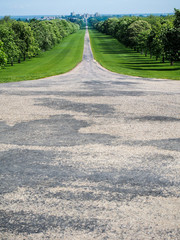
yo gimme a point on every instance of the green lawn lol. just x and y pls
(62, 58)
(114, 56)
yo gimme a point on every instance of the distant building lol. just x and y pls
(73, 14)
(86, 15)
(96, 14)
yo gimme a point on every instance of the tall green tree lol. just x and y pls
(159, 36)
(24, 39)
(8, 37)
(138, 33)
(3, 56)
(177, 18)
(21, 39)
(172, 47)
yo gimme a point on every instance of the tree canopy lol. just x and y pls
(19, 40)
(158, 36)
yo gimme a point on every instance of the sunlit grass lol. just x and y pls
(114, 56)
(62, 58)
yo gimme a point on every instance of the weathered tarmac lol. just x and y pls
(90, 154)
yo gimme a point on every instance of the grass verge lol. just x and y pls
(62, 58)
(114, 56)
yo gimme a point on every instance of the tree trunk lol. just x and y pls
(146, 53)
(19, 60)
(156, 58)
(163, 59)
(172, 62)
(12, 63)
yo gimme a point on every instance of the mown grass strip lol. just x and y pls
(114, 56)
(62, 58)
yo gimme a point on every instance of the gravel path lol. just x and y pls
(90, 154)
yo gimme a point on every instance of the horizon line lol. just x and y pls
(86, 13)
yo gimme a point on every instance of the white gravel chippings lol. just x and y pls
(90, 154)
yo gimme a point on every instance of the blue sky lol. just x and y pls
(59, 7)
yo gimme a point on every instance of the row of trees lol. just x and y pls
(158, 36)
(19, 40)
(78, 21)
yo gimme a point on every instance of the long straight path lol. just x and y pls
(90, 154)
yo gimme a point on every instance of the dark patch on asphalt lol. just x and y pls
(34, 171)
(3, 126)
(33, 168)
(160, 160)
(39, 170)
(90, 109)
(172, 144)
(126, 83)
(156, 118)
(127, 184)
(109, 83)
(131, 93)
(89, 93)
(28, 222)
(60, 130)
(94, 82)
(125, 189)
(122, 185)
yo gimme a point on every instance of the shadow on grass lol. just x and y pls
(105, 49)
(113, 52)
(145, 63)
(155, 69)
(105, 37)
(150, 65)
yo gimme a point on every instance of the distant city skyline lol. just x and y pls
(59, 7)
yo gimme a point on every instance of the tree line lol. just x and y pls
(20, 40)
(153, 35)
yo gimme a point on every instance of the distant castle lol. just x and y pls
(85, 15)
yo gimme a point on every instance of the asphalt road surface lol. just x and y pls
(90, 154)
